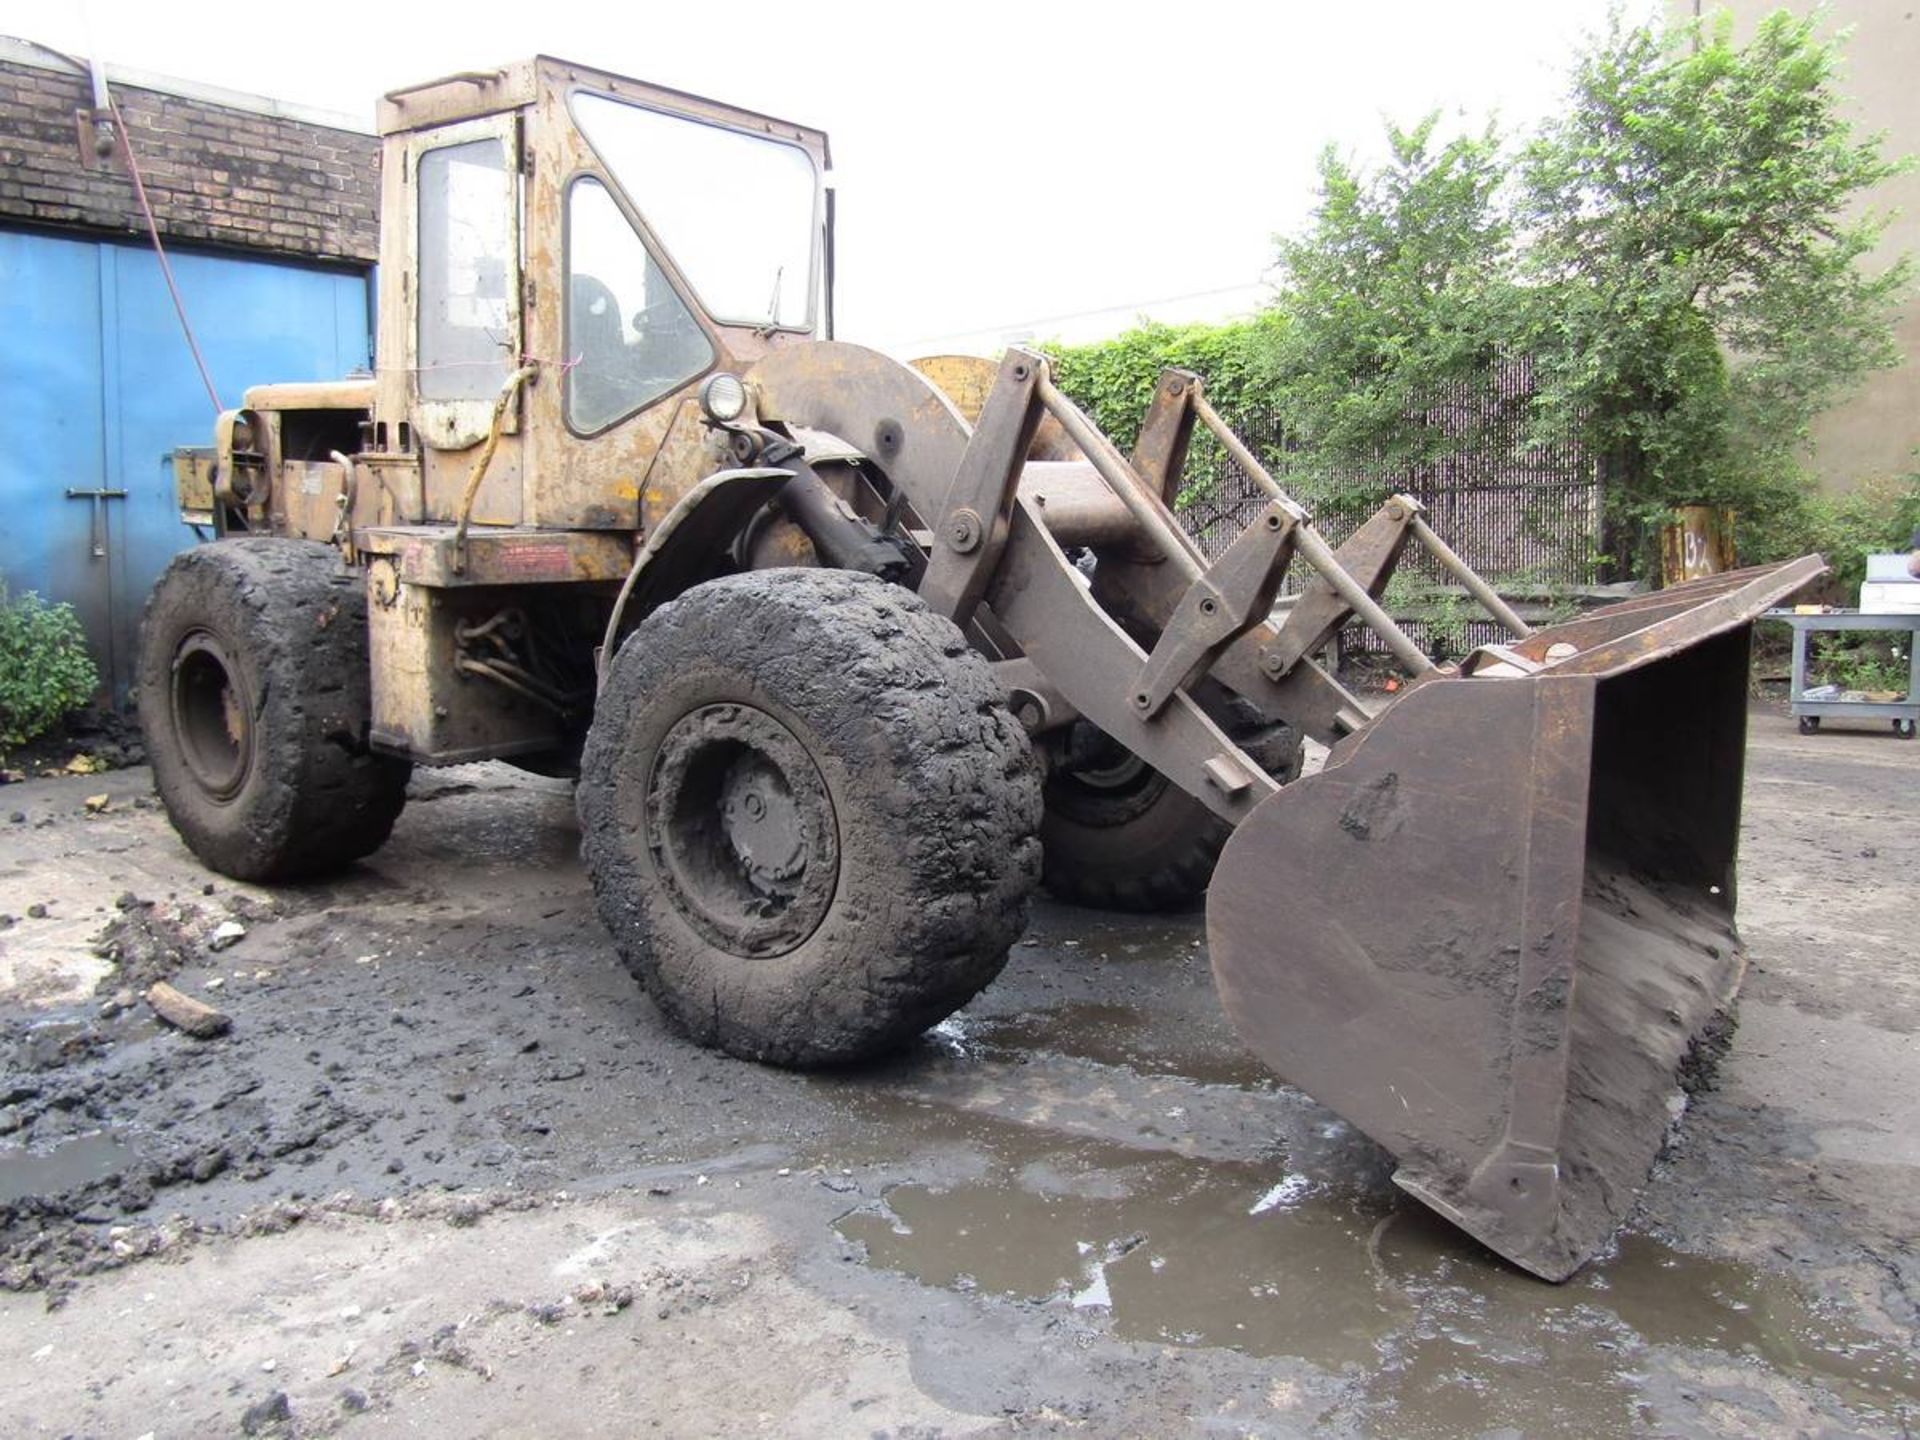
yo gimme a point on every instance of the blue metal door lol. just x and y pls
(102, 387)
(52, 439)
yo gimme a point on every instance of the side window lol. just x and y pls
(630, 340)
(465, 340)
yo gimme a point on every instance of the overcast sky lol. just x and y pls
(1004, 168)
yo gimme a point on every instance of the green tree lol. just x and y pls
(1400, 285)
(1694, 258)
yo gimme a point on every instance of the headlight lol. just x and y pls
(724, 398)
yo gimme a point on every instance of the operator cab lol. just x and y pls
(615, 240)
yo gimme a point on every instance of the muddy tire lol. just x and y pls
(253, 692)
(809, 819)
(1118, 835)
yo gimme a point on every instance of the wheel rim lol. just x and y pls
(742, 831)
(212, 715)
(1106, 784)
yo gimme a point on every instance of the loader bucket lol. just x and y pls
(1496, 931)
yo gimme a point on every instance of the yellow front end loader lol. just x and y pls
(844, 654)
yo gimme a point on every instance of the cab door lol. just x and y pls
(465, 335)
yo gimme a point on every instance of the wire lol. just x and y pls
(160, 251)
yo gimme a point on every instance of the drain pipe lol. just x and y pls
(103, 112)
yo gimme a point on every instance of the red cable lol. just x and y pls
(166, 269)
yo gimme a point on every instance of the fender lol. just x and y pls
(681, 547)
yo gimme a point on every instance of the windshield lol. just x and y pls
(630, 339)
(751, 264)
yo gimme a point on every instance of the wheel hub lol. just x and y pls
(741, 829)
(212, 715)
(763, 824)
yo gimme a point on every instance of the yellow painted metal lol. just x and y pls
(193, 483)
(311, 395)
(422, 704)
(966, 380)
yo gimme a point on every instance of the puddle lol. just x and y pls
(1260, 1260)
(65, 1168)
(1120, 1035)
(1492, 1347)
(1167, 1245)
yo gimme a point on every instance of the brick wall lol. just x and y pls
(215, 174)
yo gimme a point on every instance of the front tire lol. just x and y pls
(809, 819)
(254, 697)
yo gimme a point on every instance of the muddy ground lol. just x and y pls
(449, 1174)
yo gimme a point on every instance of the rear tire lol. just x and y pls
(255, 699)
(1118, 835)
(808, 817)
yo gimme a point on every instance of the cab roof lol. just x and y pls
(470, 94)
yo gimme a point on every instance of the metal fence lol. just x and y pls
(1523, 510)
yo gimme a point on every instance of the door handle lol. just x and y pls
(99, 522)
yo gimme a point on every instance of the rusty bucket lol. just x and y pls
(1497, 930)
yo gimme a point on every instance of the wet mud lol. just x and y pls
(1076, 1207)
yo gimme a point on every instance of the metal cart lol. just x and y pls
(1903, 713)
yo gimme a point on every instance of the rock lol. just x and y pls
(268, 1415)
(19, 817)
(183, 1012)
(227, 934)
(598, 1297)
(36, 912)
(96, 803)
(354, 1401)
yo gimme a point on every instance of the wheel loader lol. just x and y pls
(845, 654)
